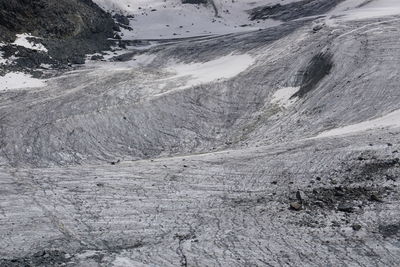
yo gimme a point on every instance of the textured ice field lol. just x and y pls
(276, 147)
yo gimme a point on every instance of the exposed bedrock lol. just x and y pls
(69, 29)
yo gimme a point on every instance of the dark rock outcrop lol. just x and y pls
(317, 69)
(196, 2)
(68, 28)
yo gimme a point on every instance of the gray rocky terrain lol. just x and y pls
(133, 161)
(69, 29)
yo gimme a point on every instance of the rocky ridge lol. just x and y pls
(68, 29)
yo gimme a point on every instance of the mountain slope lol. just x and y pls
(68, 30)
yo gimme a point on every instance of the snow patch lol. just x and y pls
(391, 120)
(17, 80)
(45, 66)
(2, 60)
(282, 97)
(222, 68)
(22, 40)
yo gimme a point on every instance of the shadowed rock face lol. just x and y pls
(69, 29)
(295, 10)
(55, 19)
(318, 68)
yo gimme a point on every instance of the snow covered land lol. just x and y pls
(154, 19)
(200, 133)
(15, 80)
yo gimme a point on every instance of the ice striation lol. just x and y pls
(273, 147)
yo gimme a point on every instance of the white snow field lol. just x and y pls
(201, 73)
(155, 19)
(19, 80)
